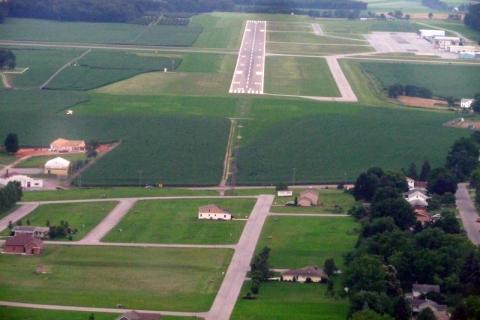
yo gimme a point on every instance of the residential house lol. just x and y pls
(57, 166)
(25, 181)
(65, 145)
(303, 275)
(23, 244)
(134, 315)
(466, 103)
(439, 310)
(308, 198)
(417, 198)
(414, 184)
(35, 232)
(419, 289)
(213, 212)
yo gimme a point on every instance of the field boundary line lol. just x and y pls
(65, 66)
(314, 215)
(141, 245)
(322, 44)
(100, 310)
(228, 156)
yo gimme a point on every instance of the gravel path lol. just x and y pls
(468, 213)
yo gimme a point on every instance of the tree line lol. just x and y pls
(394, 251)
(3, 11)
(396, 90)
(472, 18)
(10, 195)
(305, 4)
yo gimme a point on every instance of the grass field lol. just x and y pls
(330, 201)
(39, 314)
(175, 221)
(119, 192)
(6, 159)
(308, 37)
(138, 278)
(81, 216)
(299, 76)
(285, 301)
(300, 241)
(39, 162)
(316, 49)
(459, 81)
(108, 33)
(220, 30)
(407, 6)
(99, 68)
(41, 63)
(345, 28)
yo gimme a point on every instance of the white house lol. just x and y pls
(65, 145)
(284, 193)
(466, 103)
(213, 212)
(413, 184)
(416, 198)
(36, 232)
(429, 33)
(58, 166)
(25, 181)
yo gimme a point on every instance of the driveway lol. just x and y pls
(18, 214)
(468, 213)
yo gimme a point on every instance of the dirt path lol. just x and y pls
(66, 65)
(239, 266)
(99, 310)
(18, 214)
(228, 156)
(109, 222)
(6, 81)
(468, 213)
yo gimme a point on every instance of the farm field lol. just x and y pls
(99, 68)
(299, 76)
(283, 301)
(90, 32)
(140, 278)
(407, 6)
(118, 192)
(175, 221)
(297, 242)
(41, 64)
(39, 161)
(330, 201)
(80, 216)
(39, 314)
(462, 83)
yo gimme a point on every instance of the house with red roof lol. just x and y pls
(23, 244)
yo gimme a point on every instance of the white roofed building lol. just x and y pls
(25, 181)
(213, 212)
(466, 103)
(57, 166)
(428, 33)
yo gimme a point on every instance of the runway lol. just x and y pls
(249, 72)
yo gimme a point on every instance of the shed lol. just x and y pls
(213, 212)
(306, 274)
(58, 166)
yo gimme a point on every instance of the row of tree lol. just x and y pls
(10, 195)
(396, 90)
(472, 18)
(306, 4)
(7, 59)
(435, 4)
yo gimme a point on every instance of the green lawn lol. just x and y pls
(220, 30)
(307, 37)
(330, 201)
(117, 192)
(99, 68)
(113, 33)
(81, 216)
(39, 162)
(138, 278)
(6, 158)
(299, 76)
(459, 81)
(175, 221)
(286, 301)
(300, 241)
(352, 27)
(316, 49)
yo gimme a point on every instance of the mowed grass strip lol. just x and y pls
(81, 216)
(329, 201)
(285, 301)
(175, 221)
(307, 37)
(6, 158)
(300, 241)
(12, 313)
(299, 76)
(315, 49)
(39, 161)
(459, 81)
(136, 278)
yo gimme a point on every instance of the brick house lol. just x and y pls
(23, 244)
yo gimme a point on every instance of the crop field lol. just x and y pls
(175, 221)
(119, 192)
(284, 301)
(297, 242)
(89, 32)
(330, 201)
(198, 74)
(316, 49)
(41, 63)
(6, 159)
(99, 68)
(459, 81)
(299, 76)
(138, 278)
(39, 162)
(80, 216)
(407, 6)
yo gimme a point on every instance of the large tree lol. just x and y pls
(442, 181)
(397, 208)
(463, 158)
(11, 143)
(472, 18)
(7, 59)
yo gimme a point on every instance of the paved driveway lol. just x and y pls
(468, 213)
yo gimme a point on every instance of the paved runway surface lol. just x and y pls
(249, 71)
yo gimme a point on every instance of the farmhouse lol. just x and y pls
(422, 289)
(308, 198)
(25, 181)
(213, 212)
(439, 310)
(416, 198)
(35, 232)
(23, 244)
(64, 145)
(134, 315)
(466, 103)
(57, 166)
(306, 274)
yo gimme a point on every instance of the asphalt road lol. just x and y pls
(468, 213)
(249, 71)
(239, 266)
